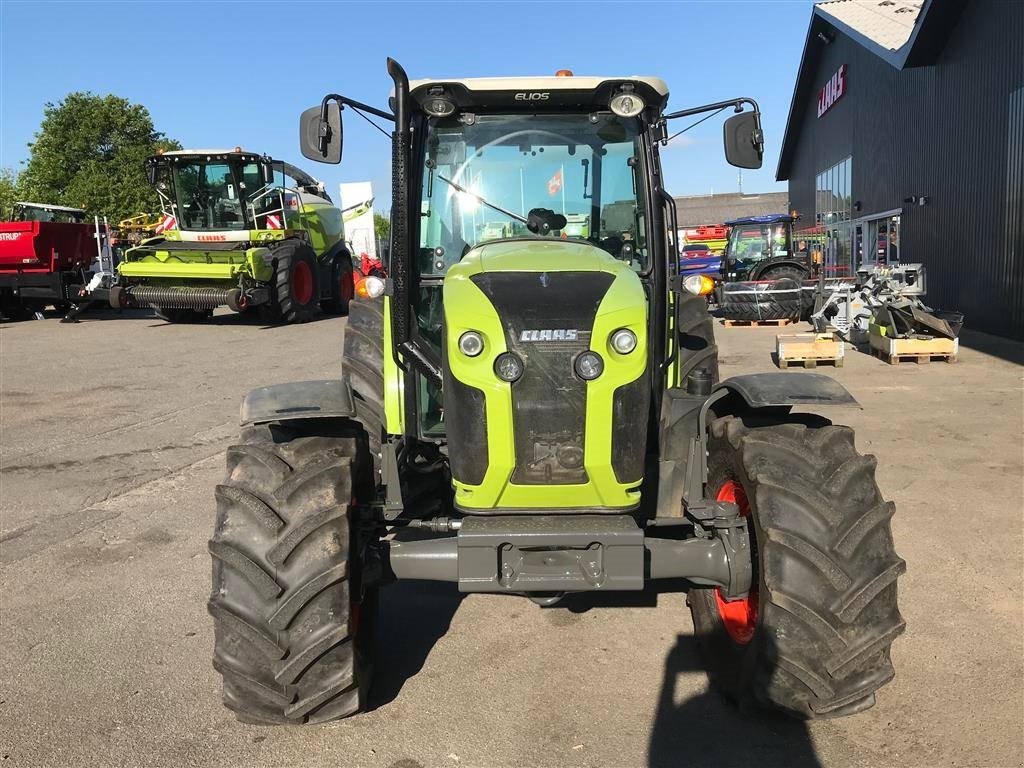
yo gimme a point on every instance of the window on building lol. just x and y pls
(833, 213)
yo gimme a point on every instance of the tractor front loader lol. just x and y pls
(238, 229)
(535, 389)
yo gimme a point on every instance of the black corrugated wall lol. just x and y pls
(953, 133)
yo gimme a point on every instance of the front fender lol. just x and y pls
(773, 390)
(294, 400)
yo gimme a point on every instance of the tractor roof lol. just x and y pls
(290, 170)
(562, 91)
(49, 207)
(770, 218)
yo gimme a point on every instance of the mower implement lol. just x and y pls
(529, 404)
(241, 230)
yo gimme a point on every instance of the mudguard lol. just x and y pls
(772, 390)
(330, 398)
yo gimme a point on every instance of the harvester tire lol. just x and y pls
(173, 315)
(295, 293)
(342, 286)
(814, 636)
(362, 367)
(293, 625)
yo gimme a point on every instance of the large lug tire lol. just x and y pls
(293, 623)
(342, 286)
(779, 300)
(362, 366)
(696, 337)
(295, 292)
(799, 276)
(813, 637)
(173, 315)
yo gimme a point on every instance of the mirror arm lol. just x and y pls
(737, 104)
(344, 101)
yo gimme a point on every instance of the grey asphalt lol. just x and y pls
(112, 435)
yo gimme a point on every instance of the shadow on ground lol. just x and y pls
(705, 730)
(413, 616)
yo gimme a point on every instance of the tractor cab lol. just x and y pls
(759, 246)
(229, 191)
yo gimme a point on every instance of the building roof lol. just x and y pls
(903, 33)
(706, 210)
(886, 23)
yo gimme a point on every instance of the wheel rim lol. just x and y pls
(302, 283)
(347, 290)
(739, 617)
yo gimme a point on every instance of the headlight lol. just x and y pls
(471, 344)
(623, 341)
(589, 366)
(626, 104)
(508, 367)
(699, 285)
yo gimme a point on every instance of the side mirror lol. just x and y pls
(744, 140)
(320, 139)
(266, 173)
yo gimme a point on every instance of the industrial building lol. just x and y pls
(905, 140)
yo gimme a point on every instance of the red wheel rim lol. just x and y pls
(739, 617)
(302, 283)
(347, 286)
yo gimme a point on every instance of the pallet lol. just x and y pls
(921, 351)
(757, 323)
(809, 349)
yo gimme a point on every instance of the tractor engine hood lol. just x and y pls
(550, 439)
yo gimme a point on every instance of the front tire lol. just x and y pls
(342, 286)
(293, 625)
(814, 636)
(295, 293)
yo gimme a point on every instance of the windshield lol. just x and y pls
(34, 213)
(484, 176)
(212, 195)
(756, 242)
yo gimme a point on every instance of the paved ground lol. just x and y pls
(113, 434)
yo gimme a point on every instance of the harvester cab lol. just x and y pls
(237, 229)
(534, 389)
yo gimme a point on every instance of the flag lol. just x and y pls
(555, 183)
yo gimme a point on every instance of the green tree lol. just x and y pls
(9, 192)
(89, 153)
(381, 228)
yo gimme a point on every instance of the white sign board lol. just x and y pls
(357, 211)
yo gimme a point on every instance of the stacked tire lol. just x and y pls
(762, 300)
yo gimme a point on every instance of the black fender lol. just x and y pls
(295, 400)
(777, 390)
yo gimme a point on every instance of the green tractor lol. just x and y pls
(526, 411)
(242, 230)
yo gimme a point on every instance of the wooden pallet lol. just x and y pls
(757, 323)
(895, 351)
(809, 349)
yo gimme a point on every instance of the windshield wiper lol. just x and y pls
(479, 199)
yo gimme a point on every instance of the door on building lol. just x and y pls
(877, 239)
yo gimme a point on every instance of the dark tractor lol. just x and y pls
(530, 404)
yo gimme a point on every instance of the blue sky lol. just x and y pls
(239, 73)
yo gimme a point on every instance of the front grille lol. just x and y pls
(549, 403)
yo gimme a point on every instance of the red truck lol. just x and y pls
(45, 255)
